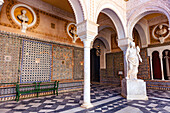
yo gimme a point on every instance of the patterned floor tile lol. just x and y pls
(106, 99)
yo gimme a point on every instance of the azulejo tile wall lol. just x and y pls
(36, 62)
(113, 65)
(9, 58)
(78, 63)
(144, 69)
(62, 62)
(24, 59)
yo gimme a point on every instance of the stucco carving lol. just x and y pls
(22, 16)
(160, 32)
(72, 31)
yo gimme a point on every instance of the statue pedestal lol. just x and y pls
(134, 89)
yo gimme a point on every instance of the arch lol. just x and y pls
(156, 65)
(105, 42)
(111, 10)
(143, 11)
(78, 9)
(102, 38)
(103, 49)
(142, 35)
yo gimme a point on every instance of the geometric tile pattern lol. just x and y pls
(36, 62)
(9, 58)
(62, 63)
(158, 84)
(78, 64)
(106, 99)
(144, 68)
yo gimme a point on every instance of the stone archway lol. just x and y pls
(143, 11)
(79, 11)
(113, 12)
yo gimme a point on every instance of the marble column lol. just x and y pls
(87, 103)
(87, 30)
(167, 64)
(162, 69)
(151, 68)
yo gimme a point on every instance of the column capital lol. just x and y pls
(124, 42)
(87, 30)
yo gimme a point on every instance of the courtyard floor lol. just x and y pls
(106, 99)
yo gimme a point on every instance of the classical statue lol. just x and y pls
(132, 58)
(24, 20)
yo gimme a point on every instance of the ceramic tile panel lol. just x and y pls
(9, 58)
(36, 62)
(62, 62)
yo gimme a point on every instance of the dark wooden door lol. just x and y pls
(95, 66)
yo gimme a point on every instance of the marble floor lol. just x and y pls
(106, 99)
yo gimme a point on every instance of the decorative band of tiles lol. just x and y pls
(158, 84)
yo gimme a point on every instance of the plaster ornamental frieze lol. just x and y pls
(72, 31)
(24, 16)
(160, 32)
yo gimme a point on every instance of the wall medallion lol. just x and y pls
(24, 16)
(160, 32)
(72, 31)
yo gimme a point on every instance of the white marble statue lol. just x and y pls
(24, 19)
(132, 58)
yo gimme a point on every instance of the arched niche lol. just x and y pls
(156, 65)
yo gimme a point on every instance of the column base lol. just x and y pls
(86, 105)
(134, 89)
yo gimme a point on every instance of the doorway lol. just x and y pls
(94, 66)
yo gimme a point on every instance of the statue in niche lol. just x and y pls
(73, 33)
(132, 57)
(24, 20)
(161, 31)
